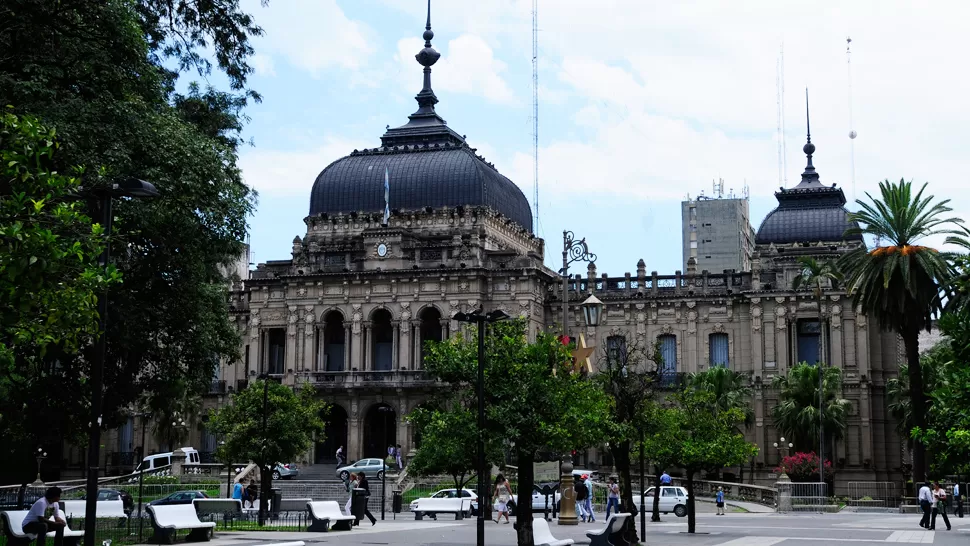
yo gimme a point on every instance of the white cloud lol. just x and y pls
(289, 172)
(314, 35)
(467, 65)
(263, 65)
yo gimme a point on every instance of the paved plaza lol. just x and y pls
(736, 529)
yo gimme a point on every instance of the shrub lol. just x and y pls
(801, 467)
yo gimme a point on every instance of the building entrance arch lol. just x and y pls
(380, 430)
(335, 435)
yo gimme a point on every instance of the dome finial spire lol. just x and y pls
(809, 176)
(427, 57)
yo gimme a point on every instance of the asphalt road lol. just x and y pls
(732, 530)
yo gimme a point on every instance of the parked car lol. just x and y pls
(285, 471)
(180, 497)
(114, 494)
(371, 467)
(539, 501)
(672, 499)
(450, 494)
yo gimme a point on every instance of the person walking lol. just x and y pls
(925, 499)
(340, 456)
(37, 521)
(580, 488)
(362, 484)
(588, 482)
(719, 499)
(665, 478)
(958, 497)
(351, 485)
(939, 506)
(397, 455)
(612, 497)
(501, 498)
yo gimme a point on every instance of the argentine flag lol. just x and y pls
(387, 197)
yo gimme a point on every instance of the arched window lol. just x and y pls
(668, 352)
(333, 343)
(430, 330)
(719, 350)
(616, 350)
(382, 346)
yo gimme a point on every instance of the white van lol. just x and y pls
(158, 460)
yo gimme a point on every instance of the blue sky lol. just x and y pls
(641, 104)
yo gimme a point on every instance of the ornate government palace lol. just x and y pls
(350, 310)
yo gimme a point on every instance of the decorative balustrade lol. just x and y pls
(759, 494)
(654, 285)
(353, 379)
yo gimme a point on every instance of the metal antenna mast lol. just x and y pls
(779, 135)
(852, 132)
(535, 109)
(784, 145)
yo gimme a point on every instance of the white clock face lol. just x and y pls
(382, 250)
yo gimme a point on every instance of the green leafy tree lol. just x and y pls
(270, 430)
(706, 440)
(897, 388)
(103, 73)
(50, 279)
(900, 282)
(627, 374)
(797, 412)
(449, 445)
(730, 390)
(527, 405)
(947, 432)
(660, 446)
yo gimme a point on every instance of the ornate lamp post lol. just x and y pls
(100, 200)
(40, 455)
(481, 318)
(572, 251)
(783, 448)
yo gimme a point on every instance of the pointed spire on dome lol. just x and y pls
(809, 177)
(426, 58)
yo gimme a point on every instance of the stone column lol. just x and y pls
(759, 422)
(416, 363)
(350, 342)
(865, 417)
(292, 357)
(783, 486)
(395, 344)
(781, 339)
(368, 363)
(354, 429)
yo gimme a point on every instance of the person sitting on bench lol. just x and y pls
(38, 520)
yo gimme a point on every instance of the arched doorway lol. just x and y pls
(335, 435)
(333, 342)
(382, 345)
(430, 330)
(380, 430)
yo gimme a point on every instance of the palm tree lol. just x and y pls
(816, 275)
(797, 413)
(730, 390)
(900, 283)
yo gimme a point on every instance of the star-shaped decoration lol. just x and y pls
(581, 356)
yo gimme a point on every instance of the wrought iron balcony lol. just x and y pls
(217, 386)
(370, 379)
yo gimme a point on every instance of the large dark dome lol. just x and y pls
(808, 213)
(427, 165)
(448, 174)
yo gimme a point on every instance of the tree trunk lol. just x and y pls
(691, 523)
(917, 400)
(265, 483)
(656, 495)
(523, 508)
(621, 458)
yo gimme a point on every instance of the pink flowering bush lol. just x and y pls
(802, 467)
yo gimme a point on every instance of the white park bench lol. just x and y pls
(542, 536)
(13, 524)
(76, 509)
(614, 525)
(432, 507)
(294, 505)
(325, 515)
(229, 509)
(167, 520)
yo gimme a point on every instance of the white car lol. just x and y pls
(450, 494)
(672, 499)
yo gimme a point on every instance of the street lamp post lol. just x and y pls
(141, 474)
(40, 455)
(100, 199)
(481, 318)
(783, 448)
(263, 472)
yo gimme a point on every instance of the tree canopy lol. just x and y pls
(102, 73)
(797, 412)
(526, 404)
(449, 444)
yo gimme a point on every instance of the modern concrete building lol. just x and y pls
(717, 234)
(382, 269)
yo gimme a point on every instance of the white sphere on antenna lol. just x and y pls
(853, 134)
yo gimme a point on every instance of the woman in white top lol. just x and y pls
(351, 485)
(503, 493)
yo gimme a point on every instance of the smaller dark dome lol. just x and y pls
(805, 225)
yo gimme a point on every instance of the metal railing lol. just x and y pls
(809, 496)
(874, 495)
(368, 379)
(217, 386)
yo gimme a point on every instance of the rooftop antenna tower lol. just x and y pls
(852, 132)
(719, 188)
(535, 108)
(780, 99)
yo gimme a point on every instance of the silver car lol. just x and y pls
(285, 471)
(370, 467)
